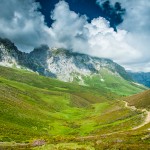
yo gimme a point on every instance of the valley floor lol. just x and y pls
(118, 140)
(127, 132)
(46, 114)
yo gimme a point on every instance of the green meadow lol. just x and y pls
(68, 116)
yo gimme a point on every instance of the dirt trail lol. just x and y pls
(147, 119)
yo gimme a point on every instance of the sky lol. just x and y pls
(115, 29)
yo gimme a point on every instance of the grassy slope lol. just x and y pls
(114, 83)
(36, 107)
(29, 103)
(141, 100)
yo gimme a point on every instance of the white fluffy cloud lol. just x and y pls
(72, 31)
(25, 26)
(137, 24)
(22, 23)
(68, 29)
(105, 42)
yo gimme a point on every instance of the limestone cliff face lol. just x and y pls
(58, 63)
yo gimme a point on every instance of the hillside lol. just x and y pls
(98, 73)
(29, 103)
(36, 108)
(141, 100)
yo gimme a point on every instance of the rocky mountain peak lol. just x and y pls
(8, 53)
(59, 63)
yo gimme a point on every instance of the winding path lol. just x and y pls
(147, 118)
(146, 121)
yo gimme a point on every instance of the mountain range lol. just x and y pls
(56, 62)
(69, 66)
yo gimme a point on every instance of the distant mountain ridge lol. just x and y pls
(58, 63)
(141, 77)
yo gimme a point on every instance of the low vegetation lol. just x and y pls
(141, 100)
(36, 110)
(114, 83)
